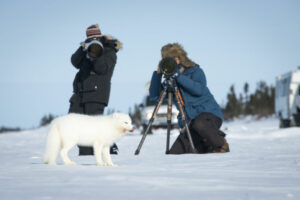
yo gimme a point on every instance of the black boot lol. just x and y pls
(114, 149)
(86, 151)
(223, 149)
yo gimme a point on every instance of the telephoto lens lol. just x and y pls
(168, 66)
(94, 49)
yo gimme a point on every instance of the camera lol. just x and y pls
(168, 66)
(93, 47)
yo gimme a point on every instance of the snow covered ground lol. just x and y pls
(264, 163)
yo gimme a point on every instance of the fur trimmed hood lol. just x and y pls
(176, 50)
(117, 44)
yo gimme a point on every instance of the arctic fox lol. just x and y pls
(97, 131)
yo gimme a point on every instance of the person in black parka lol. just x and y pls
(91, 86)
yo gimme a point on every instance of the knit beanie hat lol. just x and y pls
(93, 31)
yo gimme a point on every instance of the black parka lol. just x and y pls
(93, 80)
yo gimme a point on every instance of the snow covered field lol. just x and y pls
(264, 163)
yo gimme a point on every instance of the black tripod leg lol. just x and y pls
(170, 96)
(160, 100)
(184, 120)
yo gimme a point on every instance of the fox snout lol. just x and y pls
(133, 128)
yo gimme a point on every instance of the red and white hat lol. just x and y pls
(93, 31)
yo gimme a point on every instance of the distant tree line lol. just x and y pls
(46, 119)
(7, 129)
(260, 103)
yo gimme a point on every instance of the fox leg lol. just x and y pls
(98, 148)
(107, 157)
(64, 154)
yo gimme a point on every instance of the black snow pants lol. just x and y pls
(89, 109)
(206, 135)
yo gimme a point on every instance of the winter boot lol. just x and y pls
(86, 151)
(223, 149)
(114, 149)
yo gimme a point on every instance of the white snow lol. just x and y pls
(264, 163)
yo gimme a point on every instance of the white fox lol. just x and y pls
(77, 129)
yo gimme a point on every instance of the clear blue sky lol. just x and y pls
(234, 42)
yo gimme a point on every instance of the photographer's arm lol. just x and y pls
(106, 61)
(77, 57)
(194, 86)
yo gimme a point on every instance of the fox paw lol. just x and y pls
(71, 163)
(106, 165)
(101, 164)
(111, 165)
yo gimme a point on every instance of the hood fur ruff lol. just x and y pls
(118, 44)
(176, 50)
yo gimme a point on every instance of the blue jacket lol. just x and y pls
(195, 93)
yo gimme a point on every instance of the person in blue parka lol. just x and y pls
(202, 111)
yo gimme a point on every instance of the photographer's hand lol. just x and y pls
(84, 45)
(178, 72)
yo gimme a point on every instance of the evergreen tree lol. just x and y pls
(246, 107)
(46, 119)
(233, 106)
(246, 90)
(261, 103)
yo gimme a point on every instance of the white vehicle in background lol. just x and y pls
(160, 121)
(287, 98)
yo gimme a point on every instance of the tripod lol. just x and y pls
(170, 88)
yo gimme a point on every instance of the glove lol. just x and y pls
(83, 45)
(176, 74)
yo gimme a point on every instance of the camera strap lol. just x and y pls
(180, 98)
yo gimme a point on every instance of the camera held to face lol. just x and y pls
(93, 47)
(168, 66)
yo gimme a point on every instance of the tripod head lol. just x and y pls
(169, 82)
